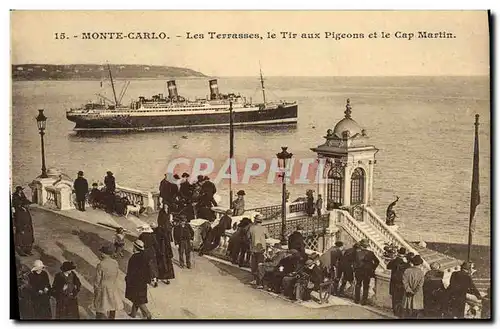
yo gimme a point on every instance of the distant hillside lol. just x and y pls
(97, 72)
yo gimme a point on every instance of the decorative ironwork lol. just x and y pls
(268, 212)
(298, 207)
(334, 192)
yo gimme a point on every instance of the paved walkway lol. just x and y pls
(211, 290)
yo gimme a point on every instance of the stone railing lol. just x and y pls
(53, 197)
(389, 235)
(352, 227)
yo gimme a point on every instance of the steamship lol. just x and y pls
(175, 111)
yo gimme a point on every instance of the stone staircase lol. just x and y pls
(374, 235)
(447, 263)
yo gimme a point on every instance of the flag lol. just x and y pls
(475, 199)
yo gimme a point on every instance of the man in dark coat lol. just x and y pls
(397, 266)
(183, 235)
(286, 268)
(460, 284)
(296, 241)
(164, 221)
(364, 269)
(139, 275)
(208, 191)
(186, 189)
(433, 290)
(234, 245)
(81, 187)
(335, 272)
(164, 254)
(346, 271)
(65, 290)
(23, 224)
(39, 285)
(109, 182)
(169, 191)
(219, 230)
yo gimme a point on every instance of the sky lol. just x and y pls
(467, 53)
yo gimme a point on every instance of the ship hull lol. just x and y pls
(286, 114)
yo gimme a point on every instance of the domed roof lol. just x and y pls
(347, 124)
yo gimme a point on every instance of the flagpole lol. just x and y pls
(231, 153)
(474, 198)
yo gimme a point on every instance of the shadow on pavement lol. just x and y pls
(242, 276)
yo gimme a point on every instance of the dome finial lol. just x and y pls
(348, 109)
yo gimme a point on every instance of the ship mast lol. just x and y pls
(262, 85)
(113, 86)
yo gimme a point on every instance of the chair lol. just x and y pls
(325, 289)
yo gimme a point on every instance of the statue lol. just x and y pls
(391, 214)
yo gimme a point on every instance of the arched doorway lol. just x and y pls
(358, 186)
(334, 191)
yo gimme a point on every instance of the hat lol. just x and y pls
(109, 173)
(94, 184)
(199, 177)
(206, 178)
(467, 266)
(229, 211)
(355, 245)
(176, 176)
(241, 192)
(364, 243)
(258, 218)
(139, 245)
(184, 175)
(339, 244)
(410, 255)
(80, 173)
(277, 245)
(417, 260)
(37, 265)
(19, 188)
(67, 266)
(402, 251)
(106, 249)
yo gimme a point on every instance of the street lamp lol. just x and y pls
(284, 159)
(41, 121)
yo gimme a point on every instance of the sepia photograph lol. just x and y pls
(250, 165)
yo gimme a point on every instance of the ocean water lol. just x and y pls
(423, 127)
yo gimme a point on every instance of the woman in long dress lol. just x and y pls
(65, 290)
(40, 291)
(164, 255)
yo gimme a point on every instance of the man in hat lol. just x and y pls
(237, 239)
(39, 285)
(433, 290)
(296, 240)
(208, 191)
(265, 269)
(109, 182)
(225, 223)
(346, 271)
(168, 192)
(311, 276)
(397, 266)
(460, 284)
(413, 281)
(183, 237)
(81, 187)
(186, 189)
(257, 235)
(139, 275)
(364, 269)
(239, 204)
(107, 299)
(65, 290)
(23, 223)
(333, 264)
(285, 270)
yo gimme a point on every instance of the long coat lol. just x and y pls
(81, 187)
(138, 276)
(106, 294)
(40, 301)
(110, 183)
(460, 284)
(164, 221)
(24, 292)
(22, 220)
(413, 281)
(396, 274)
(164, 254)
(434, 293)
(66, 299)
(150, 249)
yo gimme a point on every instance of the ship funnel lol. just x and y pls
(172, 90)
(214, 89)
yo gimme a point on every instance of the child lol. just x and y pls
(119, 241)
(94, 196)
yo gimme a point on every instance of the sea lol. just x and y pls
(423, 127)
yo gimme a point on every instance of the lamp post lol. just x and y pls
(41, 121)
(284, 158)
